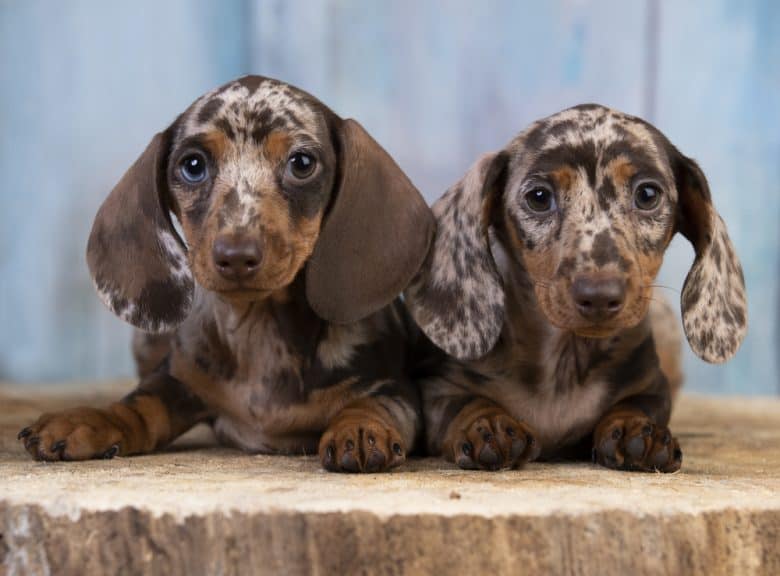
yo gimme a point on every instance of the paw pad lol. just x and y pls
(635, 443)
(360, 444)
(492, 441)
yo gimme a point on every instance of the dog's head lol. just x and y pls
(586, 201)
(265, 181)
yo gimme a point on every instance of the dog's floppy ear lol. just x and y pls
(458, 297)
(375, 236)
(137, 260)
(714, 307)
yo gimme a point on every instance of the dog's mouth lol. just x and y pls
(572, 322)
(589, 315)
(568, 319)
(255, 287)
(601, 329)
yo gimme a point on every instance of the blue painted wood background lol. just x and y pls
(85, 83)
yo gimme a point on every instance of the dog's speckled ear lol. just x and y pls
(137, 260)
(458, 297)
(714, 307)
(375, 236)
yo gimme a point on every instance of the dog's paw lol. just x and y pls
(491, 440)
(361, 442)
(77, 434)
(629, 440)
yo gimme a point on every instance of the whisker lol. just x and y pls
(651, 299)
(662, 286)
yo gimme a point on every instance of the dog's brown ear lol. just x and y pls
(375, 236)
(137, 260)
(714, 307)
(458, 297)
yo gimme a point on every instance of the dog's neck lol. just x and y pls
(287, 307)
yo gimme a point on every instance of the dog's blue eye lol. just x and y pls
(647, 197)
(301, 165)
(540, 200)
(194, 168)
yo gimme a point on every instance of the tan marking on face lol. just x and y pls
(639, 292)
(564, 178)
(288, 244)
(200, 237)
(216, 142)
(276, 145)
(621, 170)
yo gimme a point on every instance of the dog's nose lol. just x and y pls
(237, 257)
(598, 299)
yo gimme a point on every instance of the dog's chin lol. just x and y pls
(243, 295)
(595, 332)
(582, 329)
(606, 329)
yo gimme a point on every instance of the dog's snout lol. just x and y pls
(237, 257)
(598, 299)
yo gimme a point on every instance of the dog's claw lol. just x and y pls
(629, 441)
(492, 440)
(111, 452)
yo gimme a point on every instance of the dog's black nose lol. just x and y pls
(237, 257)
(598, 299)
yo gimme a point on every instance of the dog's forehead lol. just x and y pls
(252, 107)
(591, 132)
(591, 123)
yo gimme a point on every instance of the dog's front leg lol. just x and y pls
(157, 412)
(471, 430)
(483, 435)
(633, 435)
(374, 433)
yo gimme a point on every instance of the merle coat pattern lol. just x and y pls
(273, 315)
(539, 285)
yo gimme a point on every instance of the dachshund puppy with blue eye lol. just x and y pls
(539, 286)
(273, 315)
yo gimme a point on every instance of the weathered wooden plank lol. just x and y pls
(199, 509)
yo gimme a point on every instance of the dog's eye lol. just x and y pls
(540, 200)
(647, 197)
(193, 168)
(301, 165)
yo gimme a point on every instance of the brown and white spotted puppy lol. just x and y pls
(540, 287)
(274, 316)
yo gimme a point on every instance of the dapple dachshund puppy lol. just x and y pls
(539, 285)
(274, 315)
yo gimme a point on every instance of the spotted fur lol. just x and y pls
(148, 283)
(713, 297)
(499, 293)
(458, 297)
(310, 352)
